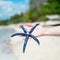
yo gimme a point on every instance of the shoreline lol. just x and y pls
(46, 23)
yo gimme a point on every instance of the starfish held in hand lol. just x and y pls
(27, 34)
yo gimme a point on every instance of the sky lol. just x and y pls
(9, 8)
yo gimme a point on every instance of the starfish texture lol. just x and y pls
(27, 35)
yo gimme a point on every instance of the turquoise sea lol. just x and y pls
(5, 33)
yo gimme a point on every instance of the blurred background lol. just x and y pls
(16, 12)
(21, 11)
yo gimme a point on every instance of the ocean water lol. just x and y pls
(5, 33)
(5, 50)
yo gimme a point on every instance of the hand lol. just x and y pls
(39, 30)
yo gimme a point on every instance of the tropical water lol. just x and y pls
(5, 50)
(5, 33)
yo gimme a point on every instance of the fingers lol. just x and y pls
(30, 24)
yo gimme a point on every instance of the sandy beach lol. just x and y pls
(49, 48)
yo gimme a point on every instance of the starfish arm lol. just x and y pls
(22, 34)
(25, 43)
(33, 28)
(35, 39)
(23, 28)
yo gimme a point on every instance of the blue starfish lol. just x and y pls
(27, 34)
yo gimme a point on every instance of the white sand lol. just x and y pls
(49, 48)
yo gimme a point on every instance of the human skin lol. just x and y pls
(42, 31)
